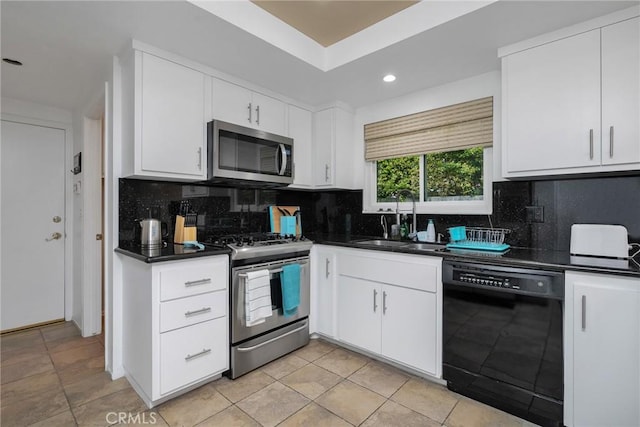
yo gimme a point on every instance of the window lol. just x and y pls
(442, 156)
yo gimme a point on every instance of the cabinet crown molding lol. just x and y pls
(599, 22)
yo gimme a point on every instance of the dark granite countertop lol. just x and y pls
(173, 252)
(521, 257)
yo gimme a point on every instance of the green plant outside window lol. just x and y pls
(448, 176)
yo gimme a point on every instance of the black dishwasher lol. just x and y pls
(502, 338)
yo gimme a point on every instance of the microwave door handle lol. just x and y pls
(283, 161)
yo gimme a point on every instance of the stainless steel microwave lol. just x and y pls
(243, 156)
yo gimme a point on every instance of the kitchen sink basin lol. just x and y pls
(379, 242)
(424, 246)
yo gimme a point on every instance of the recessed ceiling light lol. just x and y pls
(12, 61)
(389, 78)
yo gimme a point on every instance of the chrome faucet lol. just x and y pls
(383, 223)
(414, 228)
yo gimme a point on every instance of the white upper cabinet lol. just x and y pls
(241, 106)
(300, 129)
(166, 107)
(552, 99)
(564, 100)
(333, 148)
(621, 93)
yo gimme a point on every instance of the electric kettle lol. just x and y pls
(151, 234)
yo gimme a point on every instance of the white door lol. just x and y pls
(32, 224)
(606, 351)
(552, 95)
(409, 327)
(359, 307)
(620, 92)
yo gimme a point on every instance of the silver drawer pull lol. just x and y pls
(197, 282)
(202, 353)
(203, 310)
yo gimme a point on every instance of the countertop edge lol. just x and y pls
(175, 257)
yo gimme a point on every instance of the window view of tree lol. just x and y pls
(397, 174)
(453, 175)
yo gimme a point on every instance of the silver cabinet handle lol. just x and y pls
(201, 353)
(257, 114)
(54, 236)
(384, 302)
(249, 107)
(200, 158)
(326, 173)
(203, 310)
(591, 144)
(584, 312)
(326, 268)
(375, 297)
(611, 141)
(197, 282)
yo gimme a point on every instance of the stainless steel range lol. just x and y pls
(255, 344)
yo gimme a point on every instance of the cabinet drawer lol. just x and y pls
(195, 309)
(188, 278)
(192, 353)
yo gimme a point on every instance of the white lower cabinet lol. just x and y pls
(602, 350)
(389, 304)
(176, 328)
(322, 315)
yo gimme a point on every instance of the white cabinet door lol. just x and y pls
(359, 310)
(269, 114)
(231, 103)
(552, 105)
(621, 92)
(409, 327)
(323, 311)
(606, 350)
(323, 148)
(173, 120)
(300, 129)
(238, 105)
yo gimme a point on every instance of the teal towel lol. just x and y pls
(290, 283)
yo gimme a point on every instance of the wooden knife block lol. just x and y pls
(182, 233)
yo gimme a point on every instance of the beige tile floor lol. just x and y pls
(51, 377)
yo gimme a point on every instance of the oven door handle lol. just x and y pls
(241, 349)
(275, 270)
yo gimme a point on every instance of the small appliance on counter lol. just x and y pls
(186, 224)
(599, 240)
(600, 245)
(151, 233)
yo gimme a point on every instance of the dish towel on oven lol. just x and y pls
(257, 297)
(290, 283)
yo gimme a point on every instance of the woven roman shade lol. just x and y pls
(455, 127)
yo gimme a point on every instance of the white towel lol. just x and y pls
(257, 297)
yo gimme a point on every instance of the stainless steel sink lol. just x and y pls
(379, 242)
(424, 246)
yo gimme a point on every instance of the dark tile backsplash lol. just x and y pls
(606, 200)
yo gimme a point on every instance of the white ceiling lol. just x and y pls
(67, 48)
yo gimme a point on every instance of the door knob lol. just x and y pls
(54, 236)
(57, 219)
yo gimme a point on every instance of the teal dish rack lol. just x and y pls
(478, 239)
